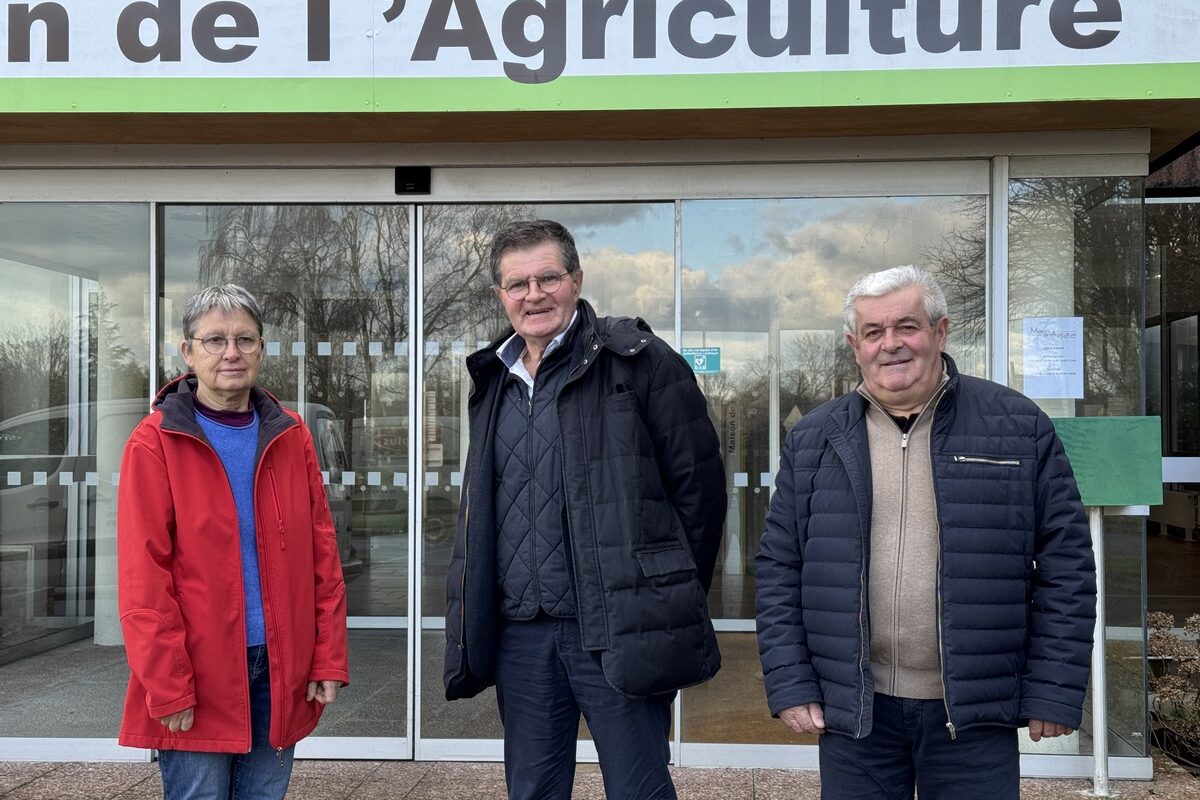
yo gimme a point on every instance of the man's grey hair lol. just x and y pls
(527, 234)
(228, 298)
(886, 281)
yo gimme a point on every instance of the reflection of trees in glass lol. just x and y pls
(322, 273)
(958, 262)
(460, 304)
(1092, 227)
(34, 364)
(815, 366)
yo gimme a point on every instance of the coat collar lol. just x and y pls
(177, 402)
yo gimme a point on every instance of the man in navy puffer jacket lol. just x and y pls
(925, 582)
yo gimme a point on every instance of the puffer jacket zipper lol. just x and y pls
(1000, 462)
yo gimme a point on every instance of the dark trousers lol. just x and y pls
(909, 745)
(544, 679)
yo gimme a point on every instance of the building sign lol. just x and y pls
(454, 55)
(703, 360)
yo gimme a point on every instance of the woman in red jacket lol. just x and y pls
(230, 586)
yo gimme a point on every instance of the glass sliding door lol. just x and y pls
(1076, 251)
(333, 282)
(627, 255)
(73, 383)
(763, 283)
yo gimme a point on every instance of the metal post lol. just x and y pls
(1099, 668)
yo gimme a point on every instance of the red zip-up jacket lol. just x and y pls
(180, 579)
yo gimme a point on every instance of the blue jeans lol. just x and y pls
(909, 745)
(261, 774)
(544, 679)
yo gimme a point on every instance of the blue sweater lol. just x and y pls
(236, 448)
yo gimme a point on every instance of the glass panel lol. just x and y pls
(1173, 303)
(1183, 431)
(1076, 251)
(333, 284)
(763, 284)
(627, 255)
(73, 353)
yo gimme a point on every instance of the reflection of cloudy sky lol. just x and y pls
(746, 262)
(798, 258)
(42, 245)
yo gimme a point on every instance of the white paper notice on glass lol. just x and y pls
(1054, 357)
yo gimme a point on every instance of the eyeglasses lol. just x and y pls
(216, 344)
(548, 283)
(905, 330)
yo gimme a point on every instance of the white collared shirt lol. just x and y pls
(512, 349)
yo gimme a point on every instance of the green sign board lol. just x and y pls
(1117, 460)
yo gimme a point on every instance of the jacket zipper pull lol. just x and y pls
(953, 731)
(279, 755)
(904, 441)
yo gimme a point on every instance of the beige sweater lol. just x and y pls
(905, 656)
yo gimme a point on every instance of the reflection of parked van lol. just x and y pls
(46, 474)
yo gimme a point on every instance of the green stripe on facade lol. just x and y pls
(603, 93)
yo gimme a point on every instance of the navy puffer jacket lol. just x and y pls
(1016, 579)
(644, 491)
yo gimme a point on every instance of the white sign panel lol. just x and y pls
(538, 42)
(1053, 357)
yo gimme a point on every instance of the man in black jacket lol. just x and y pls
(591, 516)
(925, 580)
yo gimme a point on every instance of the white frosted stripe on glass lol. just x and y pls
(349, 478)
(116, 478)
(324, 348)
(741, 479)
(66, 478)
(375, 348)
(297, 348)
(482, 343)
(400, 349)
(39, 479)
(349, 348)
(14, 479)
(325, 477)
(456, 479)
(432, 348)
(272, 348)
(431, 479)
(400, 479)
(766, 480)
(374, 478)
(91, 479)
(458, 348)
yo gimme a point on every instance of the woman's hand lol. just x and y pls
(179, 721)
(324, 692)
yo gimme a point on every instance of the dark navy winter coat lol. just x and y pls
(1016, 583)
(644, 491)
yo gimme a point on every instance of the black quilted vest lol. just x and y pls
(532, 571)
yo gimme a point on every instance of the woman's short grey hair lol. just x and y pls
(527, 234)
(877, 284)
(228, 298)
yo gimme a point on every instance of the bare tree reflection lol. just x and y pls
(1082, 238)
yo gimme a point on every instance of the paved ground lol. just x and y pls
(407, 780)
